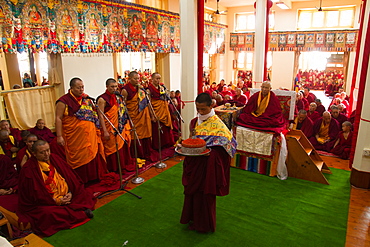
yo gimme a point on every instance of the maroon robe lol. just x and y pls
(240, 101)
(343, 149)
(302, 104)
(272, 119)
(43, 134)
(38, 207)
(20, 154)
(320, 109)
(310, 98)
(333, 133)
(8, 175)
(341, 118)
(204, 178)
(306, 127)
(313, 116)
(16, 133)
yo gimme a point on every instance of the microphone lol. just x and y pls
(118, 94)
(88, 97)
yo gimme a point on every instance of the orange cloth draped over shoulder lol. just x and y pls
(323, 133)
(55, 183)
(110, 145)
(162, 111)
(141, 120)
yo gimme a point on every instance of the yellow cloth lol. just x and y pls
(323, 133)
(141, 119)
(11, 138)
(261, 104)
(110, 145)
(295, 123)
(59, 187)
(213, 126)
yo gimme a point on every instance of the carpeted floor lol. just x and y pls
(260, 211)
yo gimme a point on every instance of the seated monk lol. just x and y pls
(42, 132)
(263, 110)
(342, 146)
(24, 134)
(16, 133)
(239, 98)
(51, 195)
(325, 132)
(8, 144)
(340, 117)
(25, 153)
(8, 176)
(302, 103)
(312, 113)
(320, 108)
(303, 123)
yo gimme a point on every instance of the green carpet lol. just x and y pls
(260, 211)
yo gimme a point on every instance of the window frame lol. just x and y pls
(271, 15)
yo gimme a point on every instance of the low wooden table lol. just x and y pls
(228, 115)
(31, 240)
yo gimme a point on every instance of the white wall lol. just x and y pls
(282, 69)
(175, 71)
(93, 70)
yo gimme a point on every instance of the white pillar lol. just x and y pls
(259, 42)
(188, 52)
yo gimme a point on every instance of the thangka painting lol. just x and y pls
(344, 40)
(72, 26)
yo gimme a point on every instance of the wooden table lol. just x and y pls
(33, 241)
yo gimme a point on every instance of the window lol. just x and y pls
(336, 17)
(247, 21)
(245, 60)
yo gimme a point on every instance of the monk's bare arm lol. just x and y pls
(124, 94)
(101, 105)
(59, 111)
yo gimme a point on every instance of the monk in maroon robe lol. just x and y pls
(25, 153)
(16, 133)
(8, 144)
(308, 95)
(239, 99)
(161, 115)
(205, 177)
(302, 102)
(342, 146)
(263, 111)
(320, 108)
(303, 123)
(340, 117)
(51, 195)
(325, 132)
(312, 113)
(8, 176)
(42, 132)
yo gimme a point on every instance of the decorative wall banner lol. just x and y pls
(338, 40)
(89, 26)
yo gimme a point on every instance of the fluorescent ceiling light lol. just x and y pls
(274, 1)
(282, 5)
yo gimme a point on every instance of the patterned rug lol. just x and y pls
(326, 154)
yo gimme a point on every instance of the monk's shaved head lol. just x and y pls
(4, 133)
(73, 81)
(37, 144)
(265, 88)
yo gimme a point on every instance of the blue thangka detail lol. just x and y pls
(122, 115)
(142, 104)
(229, 146)
(87, 113)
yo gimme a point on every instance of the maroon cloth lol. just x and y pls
(302, 104)
(175, 122)
(341, 118)
(313, 116)
(55, 148)
(204, 178)
(90, 171)
(7, 146)
(16, 133)
(107, 99)
(333, 133)
(71, 102)
(145, 151)
(240, 101)
(38, 207)
(352, 117)
(8, 174)
(44, 134)
(343, 149)
(271, 120)
(306, 127)
(20, 154)
(320, 109)
(167, 138)
(310, 98)
(127, 162)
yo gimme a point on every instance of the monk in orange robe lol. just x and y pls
(112, 106)
(137, 106)
(158, 98)
(76, 124)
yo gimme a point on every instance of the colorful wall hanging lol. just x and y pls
(76, 26)
(340, 40)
